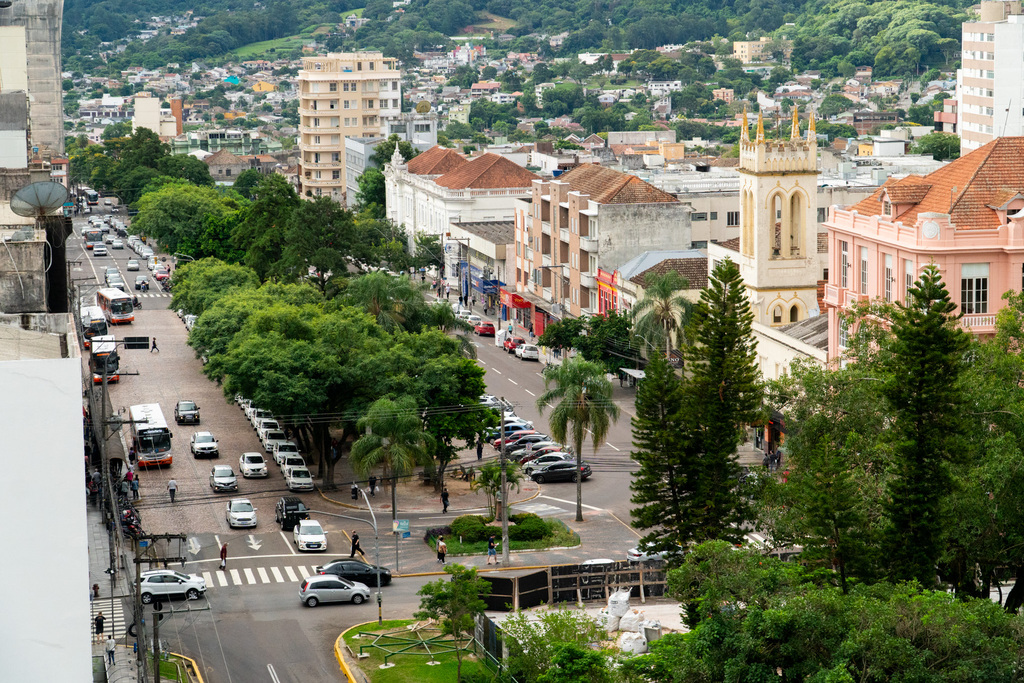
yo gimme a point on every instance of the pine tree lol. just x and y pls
(663, 447)
(725, 394)
(924, 396)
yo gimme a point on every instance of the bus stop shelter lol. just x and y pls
(629, 377)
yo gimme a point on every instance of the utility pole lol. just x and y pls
(140, 543)
(504, 491)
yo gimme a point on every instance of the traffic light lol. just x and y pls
(355, 492)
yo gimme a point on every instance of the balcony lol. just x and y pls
(322, 111)
(320, 130)
(324, 182)
(832, 295)
(332, 146)
(546, 293)
(588, 280)
(564, 235)
(979, 324)
(323, 165)
(589, 244)
(529, 255)
(545, 259)
(545, 227)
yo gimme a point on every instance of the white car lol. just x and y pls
(544, 461)
(309, 535)
(160, 583)
(222, 478)
(283, 448)
(117, 244)
(203, 444)
(474, 320)
(252, 465)
(298, 479)
(271, 438)
(132, 265)
(265, 425)
(240, 512)
(290, 460)
(528, 352)
(640, 554)
(257, 415)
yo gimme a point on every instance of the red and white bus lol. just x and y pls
(117, 305)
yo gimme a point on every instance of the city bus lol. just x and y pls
(92, 236)
(103, 359)
(93, 324)
(92, 197)
(151, 438)
(116, 305)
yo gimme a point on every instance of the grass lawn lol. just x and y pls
(494, 22)
(410, 667)
(256, 49)
(357, 12)
(170, 670)
(561, 537)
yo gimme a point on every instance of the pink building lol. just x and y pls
(967, 218)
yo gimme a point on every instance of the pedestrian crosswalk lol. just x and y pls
(252, 576)
(153, 295)
(113, 614)
(540, 509)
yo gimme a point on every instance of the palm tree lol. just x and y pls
(392, 301)
(663, 312)
(394, 440)
(442, 316)
(582, 400)
(489, 480)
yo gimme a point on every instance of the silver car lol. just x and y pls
(222, 478)
(240, 512)
(329, 588)
(203, 444)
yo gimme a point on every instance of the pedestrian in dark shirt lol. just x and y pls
(373, 484)
(444, 500)
(355, 546)
(479, 448)
(98, 624)
(154, 348)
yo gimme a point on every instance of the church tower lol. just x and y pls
(778, 223)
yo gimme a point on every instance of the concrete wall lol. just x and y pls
(627, 230)
(42, 20)
(777, 351)
(22, 280)
(44, 635)
(13, 128)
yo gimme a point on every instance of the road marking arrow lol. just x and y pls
(193, 546)
(253, 543)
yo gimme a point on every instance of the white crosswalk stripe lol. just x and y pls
(303, 573)
(542, 509)
(277, 574)
(257, 575)
(208, 577)
(263, 575)
(250, 578)
(291, 574)
(113, 614)
(221, 579)
(236, 578)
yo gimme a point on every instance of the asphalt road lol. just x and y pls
(252, 627)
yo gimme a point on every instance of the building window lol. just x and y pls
(732, 219)
(714, 215)
(333, 87)
(889, 279)
(908, 279)
(777, 315)
(844, 265)
(335, 175)
(974, 288)
(886, 209)
(844, 333)
(863, 270)
(822, 214)
(698, 217)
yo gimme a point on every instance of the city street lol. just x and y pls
(252, 626)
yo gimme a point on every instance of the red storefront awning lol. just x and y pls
(513, 300)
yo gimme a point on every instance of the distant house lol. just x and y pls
(233, 80)
(263, 86)
(225, 167)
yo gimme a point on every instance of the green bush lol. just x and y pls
(518, 517)
(471, 528)
(530, 529)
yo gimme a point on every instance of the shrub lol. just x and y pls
(436, 531)
(470, 528)
(530, 529)
(518, 517)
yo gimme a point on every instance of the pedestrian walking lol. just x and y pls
(373, 484)
(154, 348)
(135, 488)
(479, 448)
(224, 557)
(355, 546)
(98, 626)
(97, 477)
(444, 500)
(131, 455)
(766, 461)
(448, 291)
(473, 300)
(172, 488)
(125, 487)
(492, 550)
(94, 492)
(111, 647)
(130, 475)
(442, 549)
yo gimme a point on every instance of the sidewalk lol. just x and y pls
(111, 602)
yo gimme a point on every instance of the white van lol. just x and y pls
(152, 262)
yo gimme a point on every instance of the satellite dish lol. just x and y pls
(422, 107)
(39, 200)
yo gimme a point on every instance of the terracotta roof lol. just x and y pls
(908, 192)
(607, 186)
(981, 179)
(731, 244)
(695, 270)
(222, 156)
(435, 161)
(487, 171)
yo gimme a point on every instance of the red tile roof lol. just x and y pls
(965, 188)
(607, 186)
(435, 161)
(694, 270)
(485, 172)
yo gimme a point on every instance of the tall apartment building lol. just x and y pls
(341, 95)
(991, 97)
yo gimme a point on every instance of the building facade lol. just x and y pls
(967, 218)
(341, 95)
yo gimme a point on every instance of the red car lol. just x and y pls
(512, 342)
(161, 274)
(485, 329)
(512, 438)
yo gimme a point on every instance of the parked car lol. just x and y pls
(545, 460)
(163, 583)
(539, 451)
(484, 329)
(309, 535)
(640, 554)
(511, 343)
(186, 411)
(528, 352)
(326, 588)
(283, 448)
(267, 425)
(524, 450)
(203, 444)
(222, 478)
(240, 513)
(298, 479)
(257, 414)
(288, 511)
(561, 471)
(354, 570)
(132, 265)
(510, 427)
(291, 460)
(271, 438)
(252, 465)
(511, 437)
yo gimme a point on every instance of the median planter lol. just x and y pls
(529, 533)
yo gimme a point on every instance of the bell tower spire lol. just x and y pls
(760, 126)
(795, 132)
(745, 131)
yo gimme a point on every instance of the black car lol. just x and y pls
(561, 471)
(186, 411)
(354, 570)
(288, 511)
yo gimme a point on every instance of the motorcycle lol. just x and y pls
(136, 302)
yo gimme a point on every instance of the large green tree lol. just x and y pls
(662, 314)
(580, 398)
(454, 602)
(261, 232)
(175, 215)
(318, 237)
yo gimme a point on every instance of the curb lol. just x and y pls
(339, 655)
(358, 507)
(195, 667)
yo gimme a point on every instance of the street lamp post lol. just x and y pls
(463, 291)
